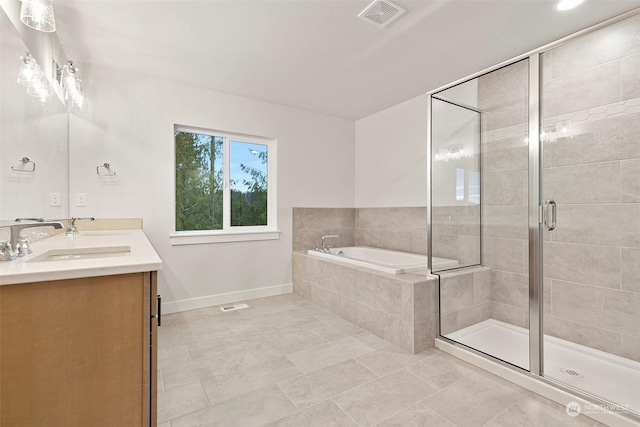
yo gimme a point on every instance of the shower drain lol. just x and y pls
(572, 372)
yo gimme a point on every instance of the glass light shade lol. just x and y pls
(39, 89)
(75, 94)
(38, 14)
(28, 69)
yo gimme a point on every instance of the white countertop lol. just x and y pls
(141, 258)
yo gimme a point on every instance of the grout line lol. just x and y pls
(488, 422)
(290, 400)
(348, 415)
(206, 394)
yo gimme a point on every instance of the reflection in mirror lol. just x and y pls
(33, 141)
(455, 195)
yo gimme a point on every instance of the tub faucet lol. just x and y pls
(327, 248)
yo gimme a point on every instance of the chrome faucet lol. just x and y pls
(73, 230)
(327, 248)
(17, 228)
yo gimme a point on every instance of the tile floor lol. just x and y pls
(286, 362)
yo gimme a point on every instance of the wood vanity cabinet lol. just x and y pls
(79, 352)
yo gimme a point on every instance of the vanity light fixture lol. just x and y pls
(38, 14)
(28, 69)
(31, 76)
(452, 152)
(568, 4)
(72, 84)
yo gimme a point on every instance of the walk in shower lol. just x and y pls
(535, 190)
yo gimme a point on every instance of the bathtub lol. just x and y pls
(384, 260)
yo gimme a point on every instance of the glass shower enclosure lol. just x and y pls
(535, 192)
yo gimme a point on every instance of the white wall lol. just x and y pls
(391, 156)
(130, 125)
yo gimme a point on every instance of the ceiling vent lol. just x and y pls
(381, 13)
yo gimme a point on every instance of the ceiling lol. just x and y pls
(315, 55)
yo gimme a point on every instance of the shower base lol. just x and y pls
(601, 374)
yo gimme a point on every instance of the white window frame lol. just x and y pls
(229, 233)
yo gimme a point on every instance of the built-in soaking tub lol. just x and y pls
(384, 260)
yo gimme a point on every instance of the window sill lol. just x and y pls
(206, 237)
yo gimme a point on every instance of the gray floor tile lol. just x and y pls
(232, 355)
(338, 332)
(226, 344)
(533, 413)
(441, 370)
(325, 414)
(377, 400)
(327, 354)
(391, 358)
(326, 382)
(171, 355)
(242, 381)
(291, 343)
(416, 416)
(372, 341)
(306, 311)
(222, 363)
(254, 409)
(473, 401)
(181, 401)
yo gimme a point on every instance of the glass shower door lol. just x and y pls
(479, 217)
(590, 184)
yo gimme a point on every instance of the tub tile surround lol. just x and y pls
(401, 229)
(397, 308)
(280, 376)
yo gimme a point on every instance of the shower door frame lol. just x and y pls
(535, 214)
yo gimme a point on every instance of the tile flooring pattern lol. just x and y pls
(286, 362)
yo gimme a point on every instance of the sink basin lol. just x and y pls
(82, 253)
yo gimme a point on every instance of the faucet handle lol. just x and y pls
(22, 247)
(6, 253)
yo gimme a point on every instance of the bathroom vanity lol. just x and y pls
(78, 328)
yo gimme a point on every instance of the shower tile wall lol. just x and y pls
(465, 298)
(503, 100)
(591, 142)
(456, 233)
(591, 116)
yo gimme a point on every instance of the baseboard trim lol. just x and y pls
(211, 300)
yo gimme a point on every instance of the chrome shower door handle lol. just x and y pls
(549, 206)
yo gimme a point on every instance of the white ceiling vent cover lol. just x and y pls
(381, 13)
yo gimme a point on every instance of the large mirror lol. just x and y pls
(37, 187)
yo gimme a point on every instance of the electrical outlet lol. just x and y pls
(54, 199)
(81, 199)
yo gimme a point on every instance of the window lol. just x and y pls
(471, 185)
(225, 187)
